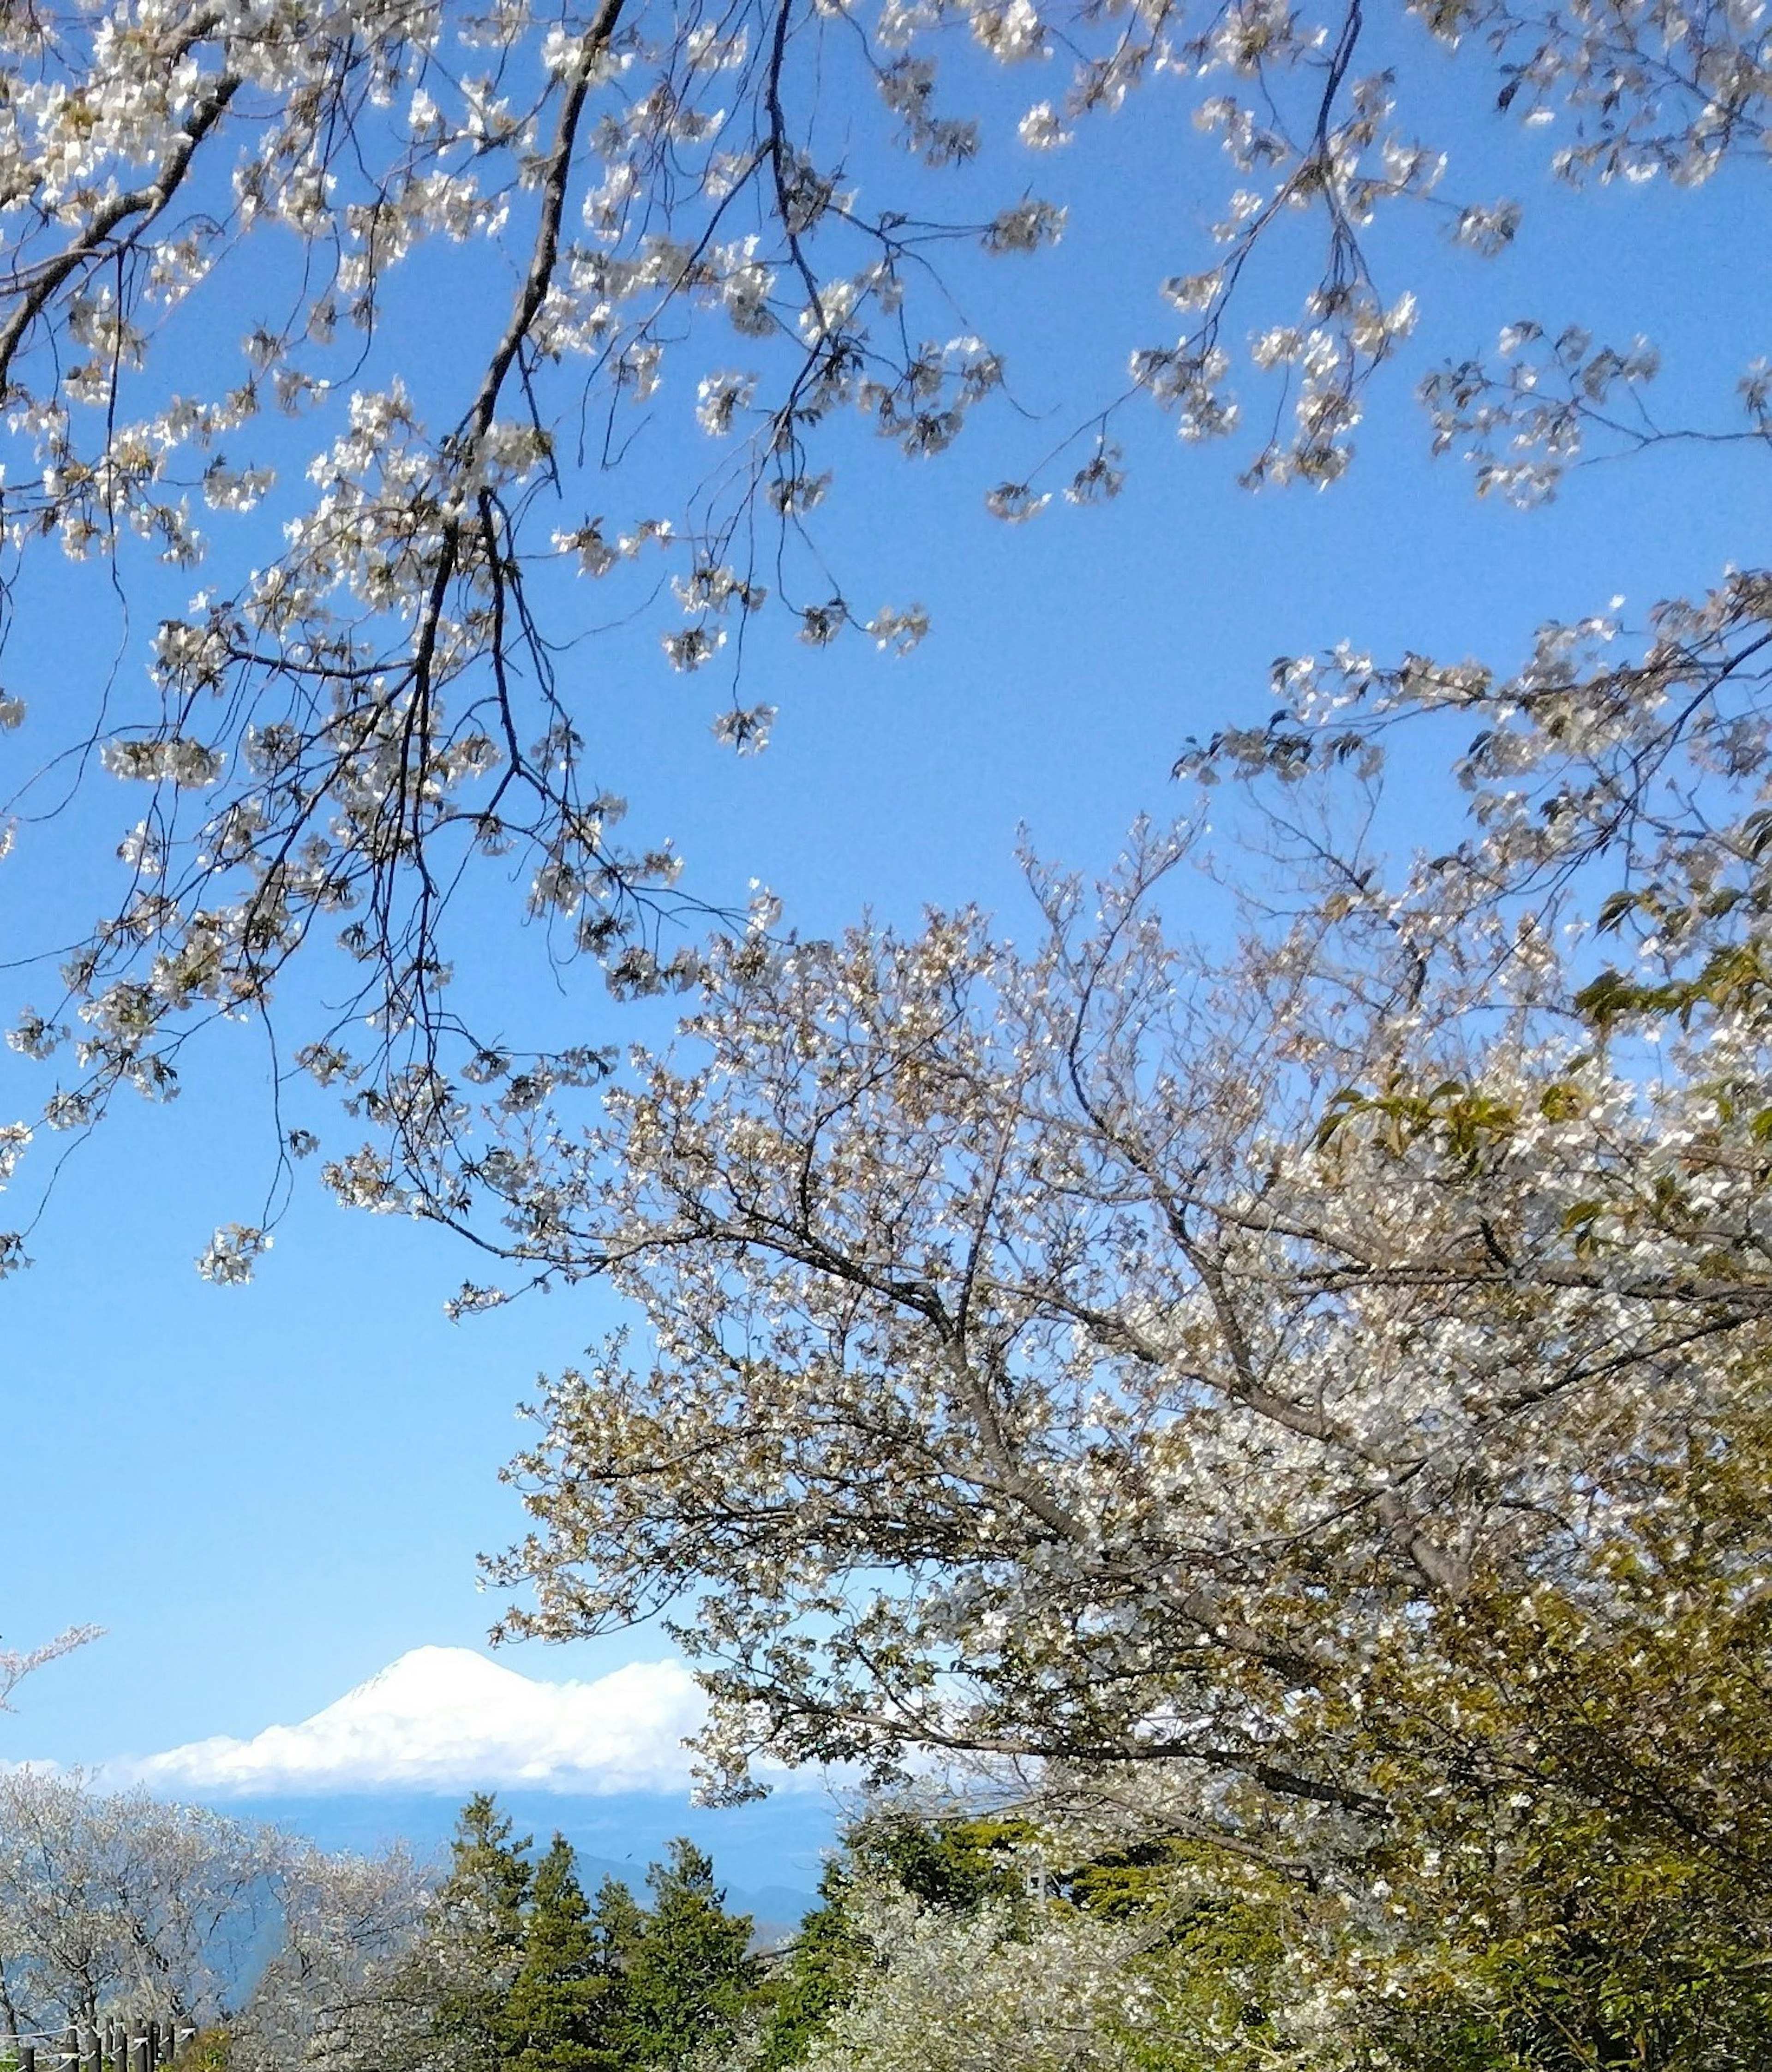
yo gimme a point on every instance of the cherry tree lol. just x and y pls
(1063, 1283)
(1297, 1390)
(942, 1993)
(691, 254)
(17, 1663)
(343, 1986)
(109, 1900)
(114, 1901)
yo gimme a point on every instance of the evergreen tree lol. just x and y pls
(819, 1977)
(490, 1877)
(692, 1978)
(477, 1941)
(618, 1924)
(556, 2015)
(954, 1865)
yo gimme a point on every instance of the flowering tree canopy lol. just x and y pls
(1306, 1401)
(1302, 1388)
(1177, 1342)
(114, 1901)
(352, 545)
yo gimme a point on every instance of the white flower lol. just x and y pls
(720, 398)
(1015, 503)
(746, 728)
(233, 1253)
(690, 649)
(1040, 128)
(1011, 34)
(1025, 228)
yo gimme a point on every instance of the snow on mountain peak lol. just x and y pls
(431, 1680)
(447, 1719)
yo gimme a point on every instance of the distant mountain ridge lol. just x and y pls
(601, 1761)
(767, 1855)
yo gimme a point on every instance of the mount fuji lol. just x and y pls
(446, 1719)
(601, 1761)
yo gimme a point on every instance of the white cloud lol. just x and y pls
(447, 1719)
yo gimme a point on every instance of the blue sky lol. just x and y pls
(267, 1495)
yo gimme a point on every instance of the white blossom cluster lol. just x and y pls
(218, 216)
(1087, 1354)
(112, 1899)
(1522, 426)
(948, 1994)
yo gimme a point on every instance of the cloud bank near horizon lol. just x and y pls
(446, 1719)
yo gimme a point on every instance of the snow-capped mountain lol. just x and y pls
(447, 1719)
(601, 1761)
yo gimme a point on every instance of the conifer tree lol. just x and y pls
(556, 2015)
(819, 1977)
(618, 1922)
(692, 1977)
(478, 1943)
(490, 1877)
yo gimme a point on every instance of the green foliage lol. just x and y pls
(490, 1878)
(206, 2052)
(1214, 1964)
(816, 1981)
(480, 1914)
(691, 1979)
(523, 1973)
(618, 1925)
(1124, 1884)
(1511, 1925)
(556, 2016)
(954, 1865)
(1592, 1887)
(1567, 1940)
